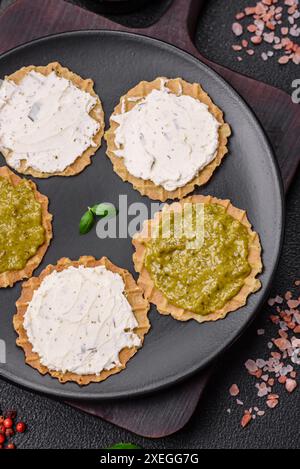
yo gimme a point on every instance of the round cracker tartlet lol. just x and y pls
(177, 86)
(133, 294)
(87, 85)
(9, 278)
(154, 295)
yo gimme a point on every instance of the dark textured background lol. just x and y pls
(54, 425)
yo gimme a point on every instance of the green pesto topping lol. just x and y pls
(202, 277)
(21, 229)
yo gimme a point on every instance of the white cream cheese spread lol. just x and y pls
(45, 121)
(79, 320)
(166, 138)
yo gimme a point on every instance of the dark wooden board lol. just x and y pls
(166, 412)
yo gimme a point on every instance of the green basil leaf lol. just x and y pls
(124, 446)
(104, 210)
(86, 223)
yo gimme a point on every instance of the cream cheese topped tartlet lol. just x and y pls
(51, 121)
(81, 321)
(166, 136)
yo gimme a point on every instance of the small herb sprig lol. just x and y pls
(89, 217)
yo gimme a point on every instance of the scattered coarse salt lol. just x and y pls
(295, 357)
(283, 60)
(290, 385)
(269, 37)
(256, 40)
(282, 344)
(251, 365)
(246, 419)
(260, 363)
(278, 369)
(293, 304)
(237, 29)
(271, 24)
(297, 317)
(234, 390)
(272, 403)
(279, 300)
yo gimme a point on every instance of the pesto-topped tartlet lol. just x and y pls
(25, 227)
(198, 259)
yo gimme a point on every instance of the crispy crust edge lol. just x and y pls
(251, 285)
(139, 304)
(148, 187)
(7, 279)
(96, 113)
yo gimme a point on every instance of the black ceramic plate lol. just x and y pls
(248, 177)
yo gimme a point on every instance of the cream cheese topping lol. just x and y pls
(45, 121)
(166, 138)
(79, 320)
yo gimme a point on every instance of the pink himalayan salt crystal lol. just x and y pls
(269, 37)
(250, 52)
(290, 385)
(234, 390)
(295, 342)
(260, 363)
(293, 304)
(297, 317)
(272, 403)
(283, 60)
(236, 47)
(289, 3)
(288, 295)
(237, 29)
(279, 299)
(282, 344)
(260, 331)
(263, 390)
(251, 365)
(256, 40)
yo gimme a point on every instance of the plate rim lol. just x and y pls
(152, 388)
